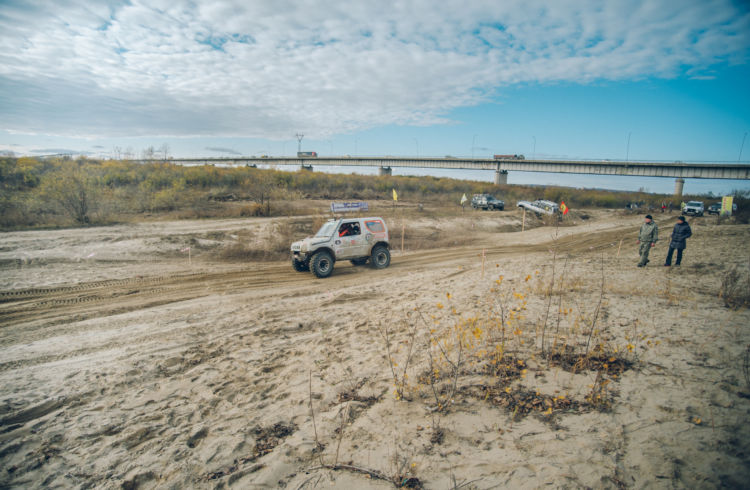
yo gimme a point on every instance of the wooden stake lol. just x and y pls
(523, 223)
(620, 246)
(403, 230)
(482, 263)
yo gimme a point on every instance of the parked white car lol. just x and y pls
(540, 206)
(693, 207)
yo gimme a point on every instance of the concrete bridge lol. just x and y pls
(677, 170)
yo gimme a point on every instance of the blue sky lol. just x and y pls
(572, 79)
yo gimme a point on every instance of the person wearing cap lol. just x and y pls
(680, 234)
(647, 237)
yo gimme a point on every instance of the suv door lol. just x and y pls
(350, 241)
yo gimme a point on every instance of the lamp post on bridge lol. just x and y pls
(742, 146)
(627, 150)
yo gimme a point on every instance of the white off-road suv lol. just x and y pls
(354, 239)
(694, 207)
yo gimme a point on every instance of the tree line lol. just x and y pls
(61, 191)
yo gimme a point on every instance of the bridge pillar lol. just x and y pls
(501, 177)
(307, 168)
(678, 185)
(385, 171)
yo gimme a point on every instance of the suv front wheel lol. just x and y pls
(381, 257)
(321, 264)
(300, 266)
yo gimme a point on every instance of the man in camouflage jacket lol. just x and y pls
(647, 237)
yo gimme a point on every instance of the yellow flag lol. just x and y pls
(395, 196)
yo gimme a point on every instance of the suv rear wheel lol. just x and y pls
(381, 257)
(321, 264)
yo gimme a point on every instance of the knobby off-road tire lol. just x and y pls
(381, 257)
(300, 266)
(321, 264)
(360, 261)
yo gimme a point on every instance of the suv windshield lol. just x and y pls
(326, 230)
(694, 203)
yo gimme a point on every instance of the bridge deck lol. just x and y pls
(706, 170)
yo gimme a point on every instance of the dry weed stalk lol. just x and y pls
(667, 293)
(400, 379)
(343, 420)
(596, 311)
(318, 445)
(455, 485)
(443, 403)
(598, 397)
(549, 303)
(398, 479)
(551, 287)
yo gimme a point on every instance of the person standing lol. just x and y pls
(680, 234)
(647, 237)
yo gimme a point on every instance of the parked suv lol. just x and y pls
(715, 208)
(486, 201)
(358, 240)
(693, 207)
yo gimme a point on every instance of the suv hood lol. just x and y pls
(304, 245)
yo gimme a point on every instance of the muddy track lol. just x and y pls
(52, 306)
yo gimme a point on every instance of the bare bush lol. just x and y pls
(73, 190)
(735, 287)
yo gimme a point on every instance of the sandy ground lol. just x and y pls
(124, 363)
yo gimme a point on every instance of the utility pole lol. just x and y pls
(742, 146)
(299, 137)
(627, 151)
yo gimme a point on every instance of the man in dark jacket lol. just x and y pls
(680, 234)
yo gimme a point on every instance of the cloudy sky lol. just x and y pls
(642, 79)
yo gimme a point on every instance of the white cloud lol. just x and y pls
(270, 68)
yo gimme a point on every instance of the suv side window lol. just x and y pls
(374, 226)
(349, 229)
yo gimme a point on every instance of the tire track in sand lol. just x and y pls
(51, 306)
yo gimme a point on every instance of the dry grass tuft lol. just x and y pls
(735, 287)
